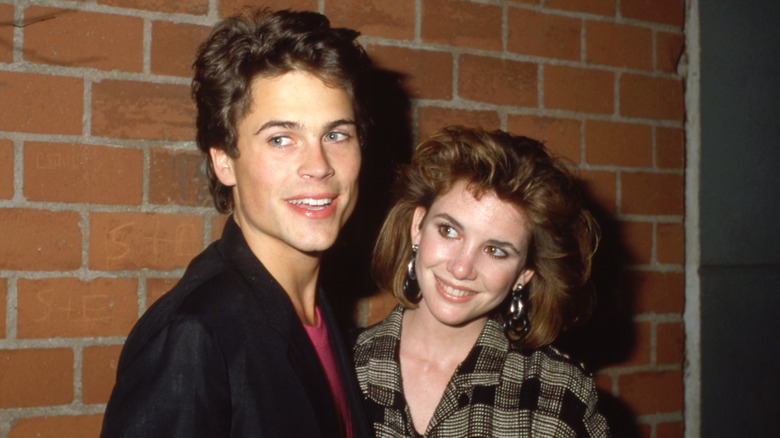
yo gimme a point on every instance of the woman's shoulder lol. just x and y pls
(548, 367)
(387, 330)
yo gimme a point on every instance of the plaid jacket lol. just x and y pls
(498, 391)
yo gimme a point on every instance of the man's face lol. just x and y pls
(295, 179)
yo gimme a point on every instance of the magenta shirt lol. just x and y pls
(319, 337)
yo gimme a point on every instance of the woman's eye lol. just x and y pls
(335, 136)
(495, 252)
(448, 231)
(280, 141)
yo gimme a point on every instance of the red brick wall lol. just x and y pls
(103, 202)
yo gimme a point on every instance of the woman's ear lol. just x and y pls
(525, 276)
(416, 226)
(223, 166)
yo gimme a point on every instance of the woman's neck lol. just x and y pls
(430, 352)
(422, 332)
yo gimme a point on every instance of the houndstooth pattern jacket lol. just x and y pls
(498, 391)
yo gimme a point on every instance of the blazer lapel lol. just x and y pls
(281, 317)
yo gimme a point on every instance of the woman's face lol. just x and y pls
(472, 253)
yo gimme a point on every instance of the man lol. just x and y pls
(244, 345)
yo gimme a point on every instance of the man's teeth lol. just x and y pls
(312, 202)
(454, 292)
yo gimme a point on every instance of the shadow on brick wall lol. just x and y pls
(345, 270)
(609, 337)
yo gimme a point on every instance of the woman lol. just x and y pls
(488, 250)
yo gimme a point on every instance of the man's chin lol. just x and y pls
(315, 247)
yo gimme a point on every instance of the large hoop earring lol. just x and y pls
(516, 323)
(411, 287)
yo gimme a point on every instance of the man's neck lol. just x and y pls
(297, 272)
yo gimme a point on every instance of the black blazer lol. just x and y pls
(223, 354)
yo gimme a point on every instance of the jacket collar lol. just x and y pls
(279, 311)
(482, 366)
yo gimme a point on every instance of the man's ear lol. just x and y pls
(416, 226)
(223, 166)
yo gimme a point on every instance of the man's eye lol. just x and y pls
(280, 141)
(336, 136)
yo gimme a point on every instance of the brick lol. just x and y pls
(6, 169)
(658, 11)
(670, 343)
(599, 7)
(36, 377)
(217, 224)
(561, 136)
(174, 46)
(499, 81)
(380, 18)
(140, 110)
(41, 103)
(377, 307)
(670, 148)
(579, 89)
(675, 429)
(7, 33)
(432, 119)
(424, 74)
(157, 287)
(66, 172)
(38, 240)
(194, 7)
(84, 39)
(653, 98)
(650, 392)
(657, 292)
(652, 193)
(119, 241)
(232, 7)
(669, 48)
(178, 177)
(69, 307)
(601, 188)
(464, 24)
(3, 297)
(539, 34)
(57, 427)
(618, 144)
(618, 45)
(98, 372)
(637, 237)
(670, 244)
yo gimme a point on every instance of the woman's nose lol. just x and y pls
(462, 266)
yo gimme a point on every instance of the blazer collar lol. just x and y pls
(482, 366)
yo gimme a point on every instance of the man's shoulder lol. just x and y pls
(211, 289)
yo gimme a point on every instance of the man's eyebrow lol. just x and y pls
(340, 122)
(287, 124)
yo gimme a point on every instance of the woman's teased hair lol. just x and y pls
(266, 44)
(564, 235)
